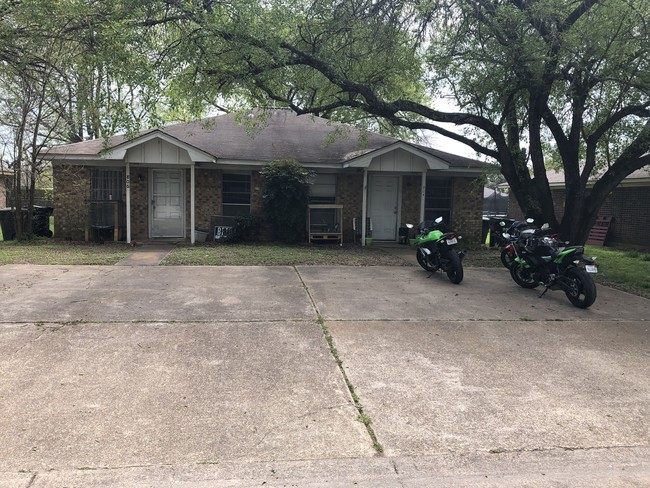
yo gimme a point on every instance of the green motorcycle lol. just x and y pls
(436, 249)
(541, 261)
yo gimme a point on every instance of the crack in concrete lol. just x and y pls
(32, 480)
(565, 448)
(363, 417)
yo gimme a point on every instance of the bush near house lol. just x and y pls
(284, 199)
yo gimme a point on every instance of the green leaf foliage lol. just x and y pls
(285, 198)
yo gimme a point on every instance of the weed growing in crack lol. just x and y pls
(363, 417)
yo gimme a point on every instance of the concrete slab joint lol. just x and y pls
(316, 376)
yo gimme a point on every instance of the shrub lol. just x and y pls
(285, 198)
(245, 229)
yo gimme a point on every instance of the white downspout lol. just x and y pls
(192, 206)
(423, 195)
(128, 202)
(364, 206)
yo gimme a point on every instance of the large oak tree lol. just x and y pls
(537, 83)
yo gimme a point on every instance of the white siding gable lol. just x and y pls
(157, 151)
(400, 161)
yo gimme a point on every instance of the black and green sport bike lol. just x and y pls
(542, 261)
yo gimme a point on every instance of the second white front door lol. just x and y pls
(167, 209)
(383, 196)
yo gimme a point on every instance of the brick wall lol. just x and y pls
(71, 195)
(467, 208)
(411, 199)
(139, 204)
(207, 198)
(630, 207)
(72, 187)
(257, 185)
(349, 193)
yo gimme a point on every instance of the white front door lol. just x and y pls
(383, 206)
(167, 209)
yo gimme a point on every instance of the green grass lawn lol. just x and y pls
(627, 270)
(281, 255)
(48, 251)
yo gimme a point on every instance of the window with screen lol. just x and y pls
(323, 192)
(438, 199)
(106, 184)
(323, 189)
(236, 200)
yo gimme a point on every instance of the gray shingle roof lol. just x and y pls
(266, 136)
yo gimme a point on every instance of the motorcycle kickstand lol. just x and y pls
(544, 292)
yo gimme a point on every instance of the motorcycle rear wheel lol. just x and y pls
(507, 259)
(583, 289)
(422, 261)
(454, 268)
(522, 276)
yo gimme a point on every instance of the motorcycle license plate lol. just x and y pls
(590, 268)
(451, 242)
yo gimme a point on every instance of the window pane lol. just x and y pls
(438, 199)
(324, 186)
(106, 184)
(236, 189)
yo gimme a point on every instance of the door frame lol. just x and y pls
(372, 177)
(150, 198)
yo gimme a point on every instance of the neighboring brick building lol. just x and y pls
(166, 182)
(628, 205)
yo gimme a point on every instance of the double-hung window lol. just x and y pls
(323, 189)
(438, 200)
(323, 192)
(236, 196)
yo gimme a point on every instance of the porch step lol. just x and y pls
(598, 233)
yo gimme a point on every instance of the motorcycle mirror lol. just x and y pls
(545, 226)
(409, 226)
(438, 220)
(506, 235)
(502, 223)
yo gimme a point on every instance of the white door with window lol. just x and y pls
(167, 208)
(383, 196)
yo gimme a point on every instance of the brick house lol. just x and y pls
(628, 205)
(165, 183)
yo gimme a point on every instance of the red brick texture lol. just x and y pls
(71, 196)
(629, 207)
(72, 189)
(467, 209)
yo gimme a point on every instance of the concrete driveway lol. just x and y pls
(223, 376)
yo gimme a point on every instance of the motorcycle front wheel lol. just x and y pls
(454, 268)
(582, 292)
(507, 258)
(422, 261)
(522, 276)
